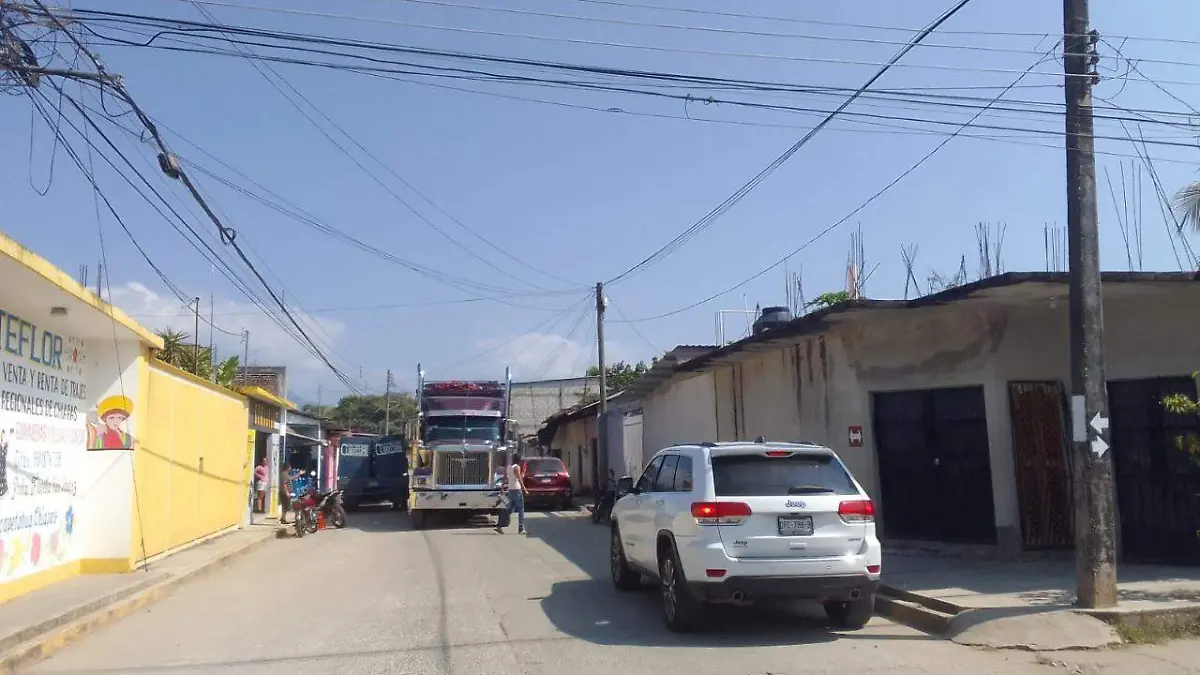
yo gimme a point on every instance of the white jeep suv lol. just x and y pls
(740, 522)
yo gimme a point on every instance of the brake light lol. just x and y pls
(720, 513)
(778, 453)
(857, 511)
(874, 569)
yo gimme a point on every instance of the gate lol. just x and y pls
(1043, 469)
(934, 465)
(1158, 480)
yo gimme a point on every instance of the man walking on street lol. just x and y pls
(515, 477)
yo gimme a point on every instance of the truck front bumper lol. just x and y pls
(456, 500)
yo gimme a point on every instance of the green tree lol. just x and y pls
(180, 351)
(826, 300)
(367, 413)
(618, 376)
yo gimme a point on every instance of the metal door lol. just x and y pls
(1157, 472)
(1043, 471)
(934, 465)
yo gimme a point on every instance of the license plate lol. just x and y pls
(544, 480)
(795, 526)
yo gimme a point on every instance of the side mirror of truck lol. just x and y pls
(624, 485)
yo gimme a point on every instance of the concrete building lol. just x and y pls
(952, 408)
(572, 435)
(108, 457)
(536, 400)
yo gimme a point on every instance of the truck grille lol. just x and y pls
(462, 468)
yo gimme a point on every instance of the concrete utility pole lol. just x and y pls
(387, 404)
(1092, 467)
(600, 346)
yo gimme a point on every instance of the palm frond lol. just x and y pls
(1187, 206)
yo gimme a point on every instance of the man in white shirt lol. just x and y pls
(515, 478)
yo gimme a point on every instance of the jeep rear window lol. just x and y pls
(761, 476)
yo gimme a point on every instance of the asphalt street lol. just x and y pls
(459, 599)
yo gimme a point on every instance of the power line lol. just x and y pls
(685, 98)
(198, 27)
(536, 327)
(835, 224)
(253, 58)
(595, 19)
(746, 188)
(843, 24)
(171, 167)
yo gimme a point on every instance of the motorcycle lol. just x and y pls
(304, 510)
(330, 504)
(602, 509)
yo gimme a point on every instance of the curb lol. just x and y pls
(61, 631)
(926, 614)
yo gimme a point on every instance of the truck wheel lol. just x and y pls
(418, 519)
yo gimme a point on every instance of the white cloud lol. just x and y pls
(269, 344)
(537, 356)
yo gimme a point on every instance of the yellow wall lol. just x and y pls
(191, 472)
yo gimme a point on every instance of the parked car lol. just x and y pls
(743, 522)
(548, 483)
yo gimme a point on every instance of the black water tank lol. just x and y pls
(771, 317)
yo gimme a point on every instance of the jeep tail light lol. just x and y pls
(858, 511)
(720, 513)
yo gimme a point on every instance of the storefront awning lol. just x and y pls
(292, 434)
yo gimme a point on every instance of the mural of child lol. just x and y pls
(109, 433)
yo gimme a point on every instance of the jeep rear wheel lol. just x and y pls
(851, 614)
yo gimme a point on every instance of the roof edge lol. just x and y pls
(63, 281)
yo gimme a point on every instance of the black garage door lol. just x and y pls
(1158, 479)
(934, 467)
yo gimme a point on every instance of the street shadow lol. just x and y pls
(591, 609)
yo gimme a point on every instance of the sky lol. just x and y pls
(539, 192)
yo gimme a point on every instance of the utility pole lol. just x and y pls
(1092, 467)
(246, 359)
(600, 346)
(601, 439)
(196, 341)
(387, 404)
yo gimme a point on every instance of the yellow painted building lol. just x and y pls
(107, 456)
(190, 465)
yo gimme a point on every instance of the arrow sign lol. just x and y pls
(1100, 424)
(1099, 447)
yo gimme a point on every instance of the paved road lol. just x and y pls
(379, 598)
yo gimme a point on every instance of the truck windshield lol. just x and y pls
(463, 428)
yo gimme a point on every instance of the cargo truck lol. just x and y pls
(463, 440)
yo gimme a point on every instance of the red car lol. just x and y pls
(547, 482)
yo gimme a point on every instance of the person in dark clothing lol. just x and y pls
(285, 493)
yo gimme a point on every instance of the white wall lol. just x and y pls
(105, 500)
(680, 411)
(63, 501)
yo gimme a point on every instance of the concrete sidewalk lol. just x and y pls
(1029, 605)
(34, 625)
